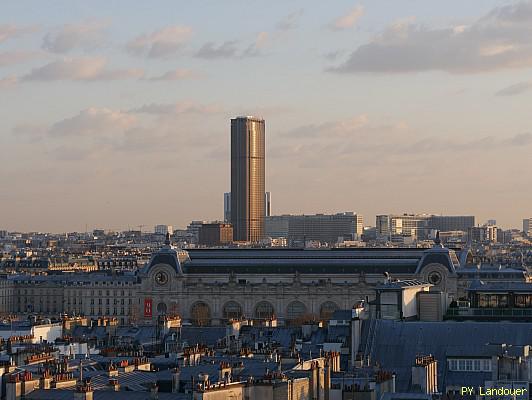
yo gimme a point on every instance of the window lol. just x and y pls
(295, 310)
(471, 364)
(232, 310)
(200, 313)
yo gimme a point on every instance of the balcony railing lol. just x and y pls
(489, 312)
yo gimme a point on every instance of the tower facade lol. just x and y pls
(247, 178)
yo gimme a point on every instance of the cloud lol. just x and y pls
(290, 21)
(210, 50)
(106, 134)
(86, 35)
(16, 57)
(80, 69)
(255, 49)
(183, 107)
(521, 139)
(499, 40)
(348, 20)
(93, 121)
(334, 55)
(31, 130)
(8, 31)
(161, 43)
(513, 90)
(330, 129)
(230, 48)
(8, 82)
(356, 141)
(175, 75)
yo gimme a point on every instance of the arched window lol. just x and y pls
(200, 314)
(264, 310)
(327, 309)
(295, 310)
(232, 310)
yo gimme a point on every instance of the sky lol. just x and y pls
(116, 114)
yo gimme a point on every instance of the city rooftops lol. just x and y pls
(502, 287)
(317, 261)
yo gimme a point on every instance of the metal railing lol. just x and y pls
(489, 312)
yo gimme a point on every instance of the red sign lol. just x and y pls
(147, 307)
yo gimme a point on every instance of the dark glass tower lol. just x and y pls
(247, 178)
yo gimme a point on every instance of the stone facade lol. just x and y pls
(209, 287)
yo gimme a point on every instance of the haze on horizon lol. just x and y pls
(116, 114)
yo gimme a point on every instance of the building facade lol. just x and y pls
(448, 223)
(391, 227)
(527, 227)
(211, 286)
(247, 178)
(215, 234)
(163, 229)
(326, 228)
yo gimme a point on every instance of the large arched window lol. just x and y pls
(264, 310)
(327, 309)
(200, 314)
(295, 310)
(232, 310)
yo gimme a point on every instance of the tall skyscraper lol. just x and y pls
(247, 178)
(227, 207)
(268, 204)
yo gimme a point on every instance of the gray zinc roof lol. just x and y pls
(397, 343)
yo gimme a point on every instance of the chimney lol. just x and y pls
(176, 376)
(84, 392)
(425, 375)
(225, 372)
(113, 385)
(327, 379)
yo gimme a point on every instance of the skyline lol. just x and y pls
(120, 117)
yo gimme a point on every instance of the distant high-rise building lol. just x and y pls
(483, 234)
(326, 228)
(247, 178)
(193, 230)
(227, 207)
(527, 226)
(414, 226)
(448, 223)
(215, 234)
(359, 226)
(419, 226)
(163, 229)
(267, 204)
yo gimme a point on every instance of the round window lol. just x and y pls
(434, 278)
(161, 278)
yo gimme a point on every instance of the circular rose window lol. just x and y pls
(434, 278)
(161, 278)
